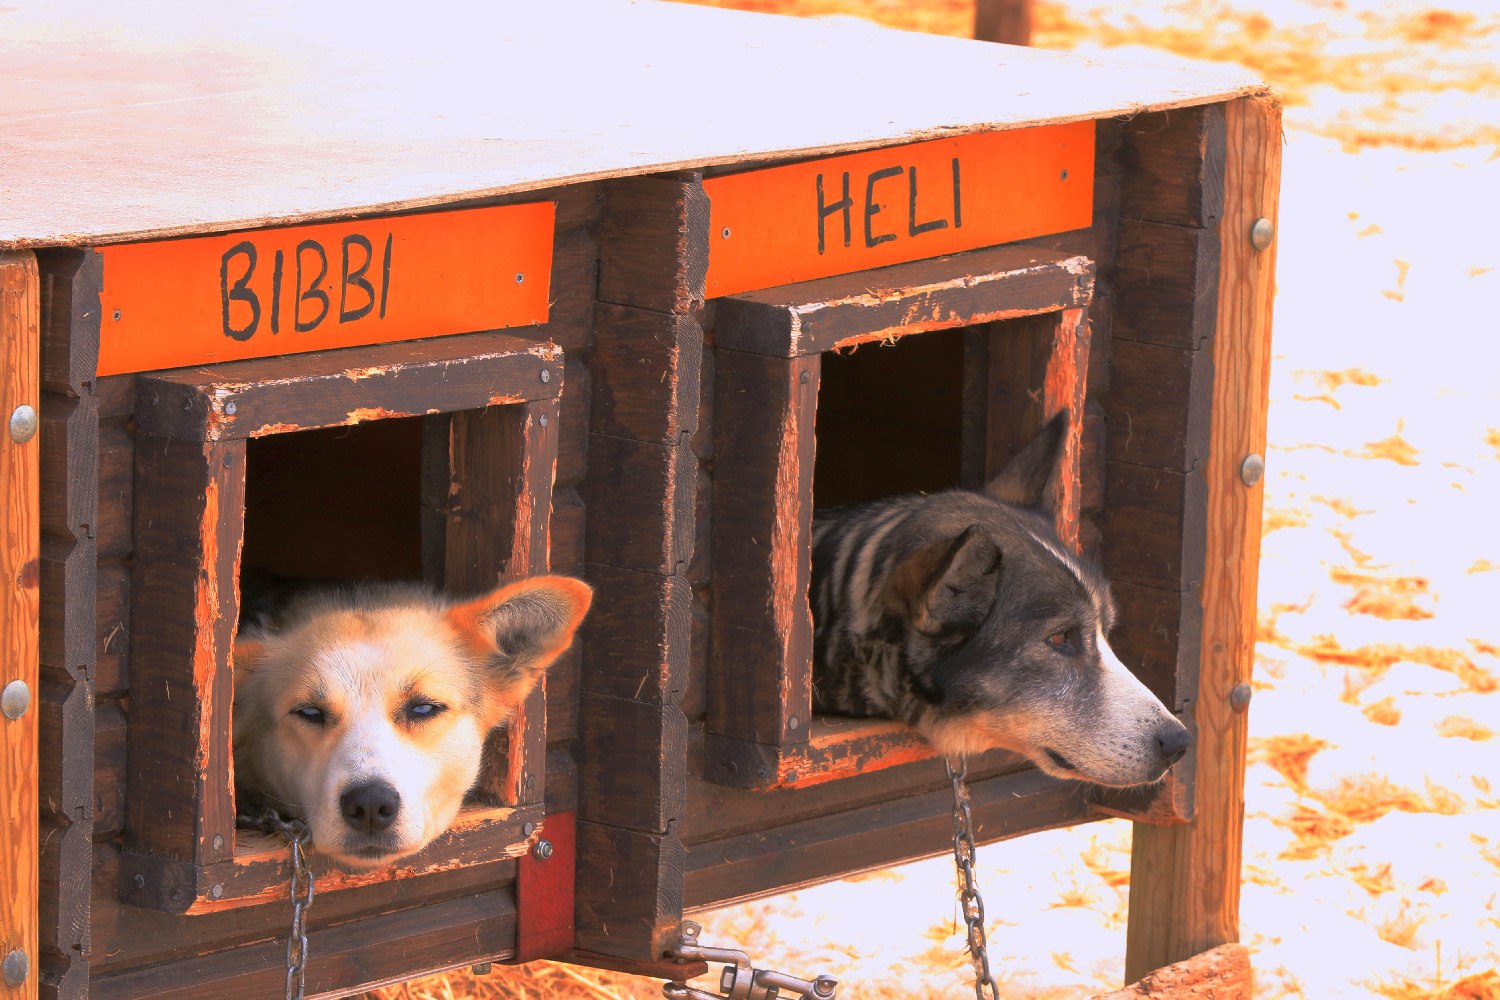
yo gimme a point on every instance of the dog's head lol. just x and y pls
(366, 713)
(1014, 627)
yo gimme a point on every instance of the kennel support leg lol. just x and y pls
(1185, 880)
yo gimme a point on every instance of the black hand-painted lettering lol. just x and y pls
(958, 204)
(844, 204)
(913, 227)
(276, 292)
(872, 207)
(239, 291)
(311, 289)
(385, 275)
(356, 278)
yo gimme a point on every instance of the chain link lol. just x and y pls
(295, 833)
(968, 893)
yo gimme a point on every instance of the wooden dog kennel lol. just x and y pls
(625, 290)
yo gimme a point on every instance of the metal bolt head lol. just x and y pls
(543, 850)
(542, 420)
(218, 841)
(1262, 233)
(23, 424)
(527, 829)
(231, 407)
(793, 723)
(546, 376)
(217, 892)
(1252, 469)
(15, 700)
(1239, 696)
(823, 986)
(140, 881)
(15, 968)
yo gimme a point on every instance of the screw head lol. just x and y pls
(218, 841)
(217, 892)
(546, 375)
(15, 968)
(23, 424)
(793, 723)
(116, 316)
(543, 850)
(1239, 696)
(542, 420)
(1064, 175)
(724, 233)
(527, 829)
(1262, 233)
(1252, 469)
(15, 700)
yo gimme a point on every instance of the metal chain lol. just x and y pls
(295, 833)
(968, 893)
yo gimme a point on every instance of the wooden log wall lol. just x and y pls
(640, 538)
(92, 944)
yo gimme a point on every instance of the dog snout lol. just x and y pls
(1173, 741)
(370, 807)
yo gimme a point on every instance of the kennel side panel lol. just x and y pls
(1188, 877)
(20, 549)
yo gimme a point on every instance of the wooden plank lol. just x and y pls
(634, 903)
(1037, 369)
(1185, 880)
(413, 117)
(188, 528)
(112, 629)
(760, 672)
(63, 909)
(648, 793)
(1158, 405)
(1155, 526)
(646, 367)
(852, 213)
(246, 399)
(1221, 973)
(836, 748)
(1164, 279)
(260, 870)
(637, 635)
(20, 552)
(958, 290)
(115, 478)
(784, 857)
(70, 316)
(653, 243)
(345, 958)
(1157, 636)
(1174, 166)
(640, 504)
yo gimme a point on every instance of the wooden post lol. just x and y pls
(1185, 880)
(20, 551)
(1007, 21)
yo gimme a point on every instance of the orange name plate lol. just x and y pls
(174, 303)
(888, 206)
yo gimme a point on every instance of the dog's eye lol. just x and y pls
(311, 714)
(421, 711)
(1059, 641)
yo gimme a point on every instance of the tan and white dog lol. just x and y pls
(363, 710)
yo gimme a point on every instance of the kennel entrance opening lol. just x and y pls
(1004, 328)
(472, 421)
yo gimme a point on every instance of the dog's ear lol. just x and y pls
(519, 629)
(946, 588)
(247, 655)
(1027, 480)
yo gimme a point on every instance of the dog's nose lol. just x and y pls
(1173, 741)
(370, 807)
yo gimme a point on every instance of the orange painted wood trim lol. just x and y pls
(1185, 880)
(20, 605)
(175, 303)
(842, 214)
